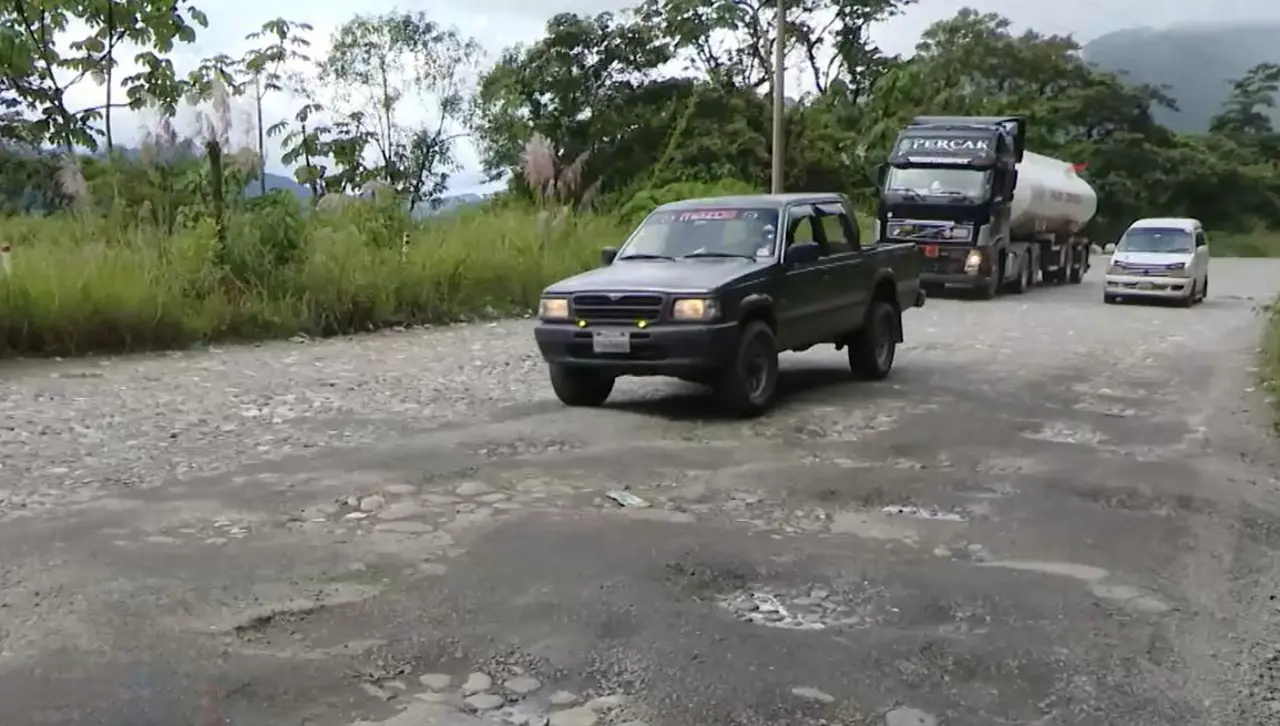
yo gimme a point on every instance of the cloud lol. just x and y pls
(500, 23)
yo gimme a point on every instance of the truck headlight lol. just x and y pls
(973, 261)
(553, 308)
(699, 308)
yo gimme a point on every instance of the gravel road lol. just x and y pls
(1055, 512)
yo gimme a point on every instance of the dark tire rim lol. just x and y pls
(884, 341)
(756, 369)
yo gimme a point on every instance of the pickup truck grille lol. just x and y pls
(594, 307)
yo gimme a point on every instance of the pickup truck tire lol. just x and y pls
(873, 348)
(748, 384)
(580, 386)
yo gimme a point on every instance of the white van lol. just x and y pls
(1165, 258)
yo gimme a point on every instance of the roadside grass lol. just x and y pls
(1252, 244)
(83, 284)
(1270, 368)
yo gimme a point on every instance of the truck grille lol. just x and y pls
(594, 307)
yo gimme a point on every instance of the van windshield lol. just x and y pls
(1156, 239)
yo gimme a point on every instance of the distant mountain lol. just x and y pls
(1197, 63)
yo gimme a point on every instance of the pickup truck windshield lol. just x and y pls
(942, 181)
(704, 233)
(1156, 239)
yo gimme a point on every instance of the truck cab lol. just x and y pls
(987, 214)
(1160, 258)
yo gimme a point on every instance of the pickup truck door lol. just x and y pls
(849, 279)
(801, 293)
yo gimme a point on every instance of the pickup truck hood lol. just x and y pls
(1151, 258)
(704, 275)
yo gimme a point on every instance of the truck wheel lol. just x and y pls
(873, 348)
(1075, 273)
(989, 291)
(1023, 282)
(580, 386)
(748, 384)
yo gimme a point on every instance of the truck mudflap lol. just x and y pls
(920, 298)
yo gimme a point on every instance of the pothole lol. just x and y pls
(801, 609)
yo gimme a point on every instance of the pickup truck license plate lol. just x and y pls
(930, 251)
(611, 341)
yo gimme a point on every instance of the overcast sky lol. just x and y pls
(499, 23)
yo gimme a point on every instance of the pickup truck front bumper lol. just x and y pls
(659, 350)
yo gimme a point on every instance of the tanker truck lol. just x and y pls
(986, 214)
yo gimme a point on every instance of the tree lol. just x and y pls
(264, 68)
(375, 63)
(37, 74)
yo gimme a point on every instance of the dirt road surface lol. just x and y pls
(1055, 512)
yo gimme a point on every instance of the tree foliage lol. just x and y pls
(614, 108)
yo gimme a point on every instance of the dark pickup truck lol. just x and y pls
(710, 290)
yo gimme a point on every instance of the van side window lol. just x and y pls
(1200, 240)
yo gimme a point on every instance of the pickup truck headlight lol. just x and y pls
(553, 308)
(699, 308)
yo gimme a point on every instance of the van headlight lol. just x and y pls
(1178, 269)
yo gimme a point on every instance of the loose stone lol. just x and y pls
(472, 489)
(372, 503)
(563, 698)
(485, 701)
(574, 717)
(477, 682)
(435, 681)
(523, 685)
(812, 694)
(907, 716)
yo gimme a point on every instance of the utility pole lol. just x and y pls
(779, 96)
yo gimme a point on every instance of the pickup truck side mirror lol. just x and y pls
(607, 255)
(802, 252)
(1108, 248)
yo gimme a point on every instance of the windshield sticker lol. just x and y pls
(700, 214)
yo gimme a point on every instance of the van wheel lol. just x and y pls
(580, 386)
(1204, 289)
(749, 383)
(873, 348)
(1192, 297)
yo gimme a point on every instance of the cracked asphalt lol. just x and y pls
(1054, 512)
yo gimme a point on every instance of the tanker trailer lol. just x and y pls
(986, 214)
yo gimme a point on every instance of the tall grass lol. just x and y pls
(1250, 244)
(83, 283)
(1271, 361)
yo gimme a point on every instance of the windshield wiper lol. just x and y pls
(906, 191)
(717, 254)
(644, 256)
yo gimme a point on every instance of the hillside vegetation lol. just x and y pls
(115, 251)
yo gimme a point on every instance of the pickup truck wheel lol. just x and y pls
(580, 386)
(747, 385)
(873, 348)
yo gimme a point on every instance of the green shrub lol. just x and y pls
(83, 283)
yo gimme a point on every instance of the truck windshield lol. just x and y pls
(1156, 239)
(707, 232)
(933, 180)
